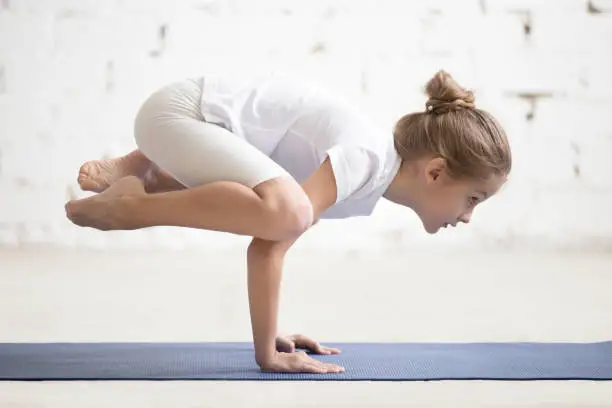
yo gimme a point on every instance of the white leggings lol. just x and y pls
(172, 132)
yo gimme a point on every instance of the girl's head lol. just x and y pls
(454, 156)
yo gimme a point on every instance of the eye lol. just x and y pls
(473, 200)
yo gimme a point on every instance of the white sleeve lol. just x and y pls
(355, 169)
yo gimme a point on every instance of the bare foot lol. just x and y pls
(98, 175)
(105, 211)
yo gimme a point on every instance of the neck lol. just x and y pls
(403, 189)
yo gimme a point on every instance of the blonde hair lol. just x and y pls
(471, 141)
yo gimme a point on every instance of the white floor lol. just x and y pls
(177, 296)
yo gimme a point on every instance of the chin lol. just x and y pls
(430, 229)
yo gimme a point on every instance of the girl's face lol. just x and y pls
(440, 200)
(447, 201)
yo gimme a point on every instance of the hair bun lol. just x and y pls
(446, 95)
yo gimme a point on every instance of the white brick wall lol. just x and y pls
(73, 73)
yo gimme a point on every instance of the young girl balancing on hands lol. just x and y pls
(268, 157)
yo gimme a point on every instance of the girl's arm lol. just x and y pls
(265, 263)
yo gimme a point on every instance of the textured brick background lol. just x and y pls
(74, 72)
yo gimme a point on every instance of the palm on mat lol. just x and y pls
(289, 360)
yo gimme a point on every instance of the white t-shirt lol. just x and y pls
(298, 124)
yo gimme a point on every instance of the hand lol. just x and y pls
(299, 362)
(288, 344)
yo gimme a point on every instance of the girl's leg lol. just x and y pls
(271, 211)
(232, 186)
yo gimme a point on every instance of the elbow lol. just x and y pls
(292, 220)
(300, 219)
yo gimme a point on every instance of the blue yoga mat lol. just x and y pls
(362, 361)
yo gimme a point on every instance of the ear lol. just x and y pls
(434, 168)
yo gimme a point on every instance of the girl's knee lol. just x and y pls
(161, 108)
(144, 123)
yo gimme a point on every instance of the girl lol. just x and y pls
(268, 157)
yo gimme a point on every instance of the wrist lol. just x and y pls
(265, 359)
(265, 350)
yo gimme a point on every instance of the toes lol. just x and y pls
(88, 184)
(87, 177)
(85, 213)
(71, 212)
(68, 209)
(89, 169)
